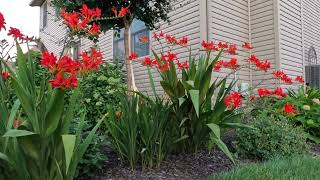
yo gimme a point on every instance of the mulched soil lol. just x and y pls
(181, 166)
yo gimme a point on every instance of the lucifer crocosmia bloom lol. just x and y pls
(286, 79)
(93, 61)
(66, 64)
(183, 41)
(184, 65)
(247, 46)
(5, 75)
(90, 13)
(147, 61)
(231, 64)
(64, 83)
(49, 61)
(163, 67)
(133, 56)
(2, 22)
(232, 49)
(299, 79)
(123, 11)
(222, 45)
(278, 74)
(144, 39)
(71, 82)
(289, 109)
(234, 100)
(16, 33)
(171, 39)
(209, 46)
(253, 59)
(171, 56)
(279, 92)
(71, 20)
(264, 92)
(58, 81)
(218, 65)
(94, 30)
(263, 65)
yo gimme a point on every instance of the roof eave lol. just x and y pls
(36, 3)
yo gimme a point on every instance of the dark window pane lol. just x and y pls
(141, 49)
(137, 25)
(118, 50)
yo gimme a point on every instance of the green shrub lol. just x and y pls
(141, 132)
(295, 168)
(271, 138)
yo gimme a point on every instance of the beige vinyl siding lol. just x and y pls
(311, 25)
(184, 21)
(263, 37)
(54, 33)
(291, 51)
(228, 21)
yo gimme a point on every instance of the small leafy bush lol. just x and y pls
(271, 138)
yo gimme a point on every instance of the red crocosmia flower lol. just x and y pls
(64, 83)
(16, 123)
(123, 11)
(232, 49)
(58, 81)
(247, 46)
(278, 74)
(114, 10)
(279, 92)
(93, 61)
(156, 36)
(171, 56)
(90, 13)
(286, 79)
(2, 22)
(147, 61)
(94, 30)
(71, 20)
(209, 46)
(161, 34)
(253, 59)
(49, 60)
(218, 65)
(289, 109)
(144, 39)
(66, 64)
(5, 75)
(299, 79)
(183, 41)
(71, 82)
(233, 100)
(16, 33)
(222, 45)
(171, 39)
(263, 66)
(232, 64)
(163, 67)
(133, 56)
(184, 65)
(264, 92)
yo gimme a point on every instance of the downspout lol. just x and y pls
(250, 39)
(303, 41)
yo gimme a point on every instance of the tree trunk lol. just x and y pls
(130, 74)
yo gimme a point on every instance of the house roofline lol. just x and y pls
(36, 3)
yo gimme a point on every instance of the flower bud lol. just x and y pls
(306, 107)
(317, 101)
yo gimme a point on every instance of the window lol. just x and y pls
(312, 69)
(44, 14)
(138, 29)
(76, 50)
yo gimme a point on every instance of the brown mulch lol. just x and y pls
(181, 166)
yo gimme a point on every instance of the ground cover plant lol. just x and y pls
(295, 168)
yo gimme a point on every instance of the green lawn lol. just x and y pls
(298, 168)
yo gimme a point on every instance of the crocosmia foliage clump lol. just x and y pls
(35, 142)
(205, 103)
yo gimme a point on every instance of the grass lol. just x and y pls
(297, 168)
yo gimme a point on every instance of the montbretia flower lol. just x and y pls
(234, 100)
(263, 65)
(94, 30)
(264, 92)
(279, 92)
(247, 46)
(2, 22)
(92, 61)
(183, 41)
(61, 82)
(147, 61)
(218, 65)
(133, 56)
(299, 79)
(49, 60)
(171, 39)
(231, 64)
(222, 45)
(289, 109)
(232, 49)
(209, 46)
(163, 67)
(90, 13)
(182, 66)
(16, 33)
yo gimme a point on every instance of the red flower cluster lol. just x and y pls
(234, 100)
(289, 109)
(231, 64)
(123, 11)
(171, 39)
(183, 41)
(285, 78)
(5, 75)
(264, 92)
(260, 64)
(184, 65)
(247, 46)
(66, 69)
(79, 22)
(147, 62)
(133, 56)
(2, 22)
(299, 79)
(157, 36)
(279, 92)
(209, 46)
(16, 34)
(232, 49)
